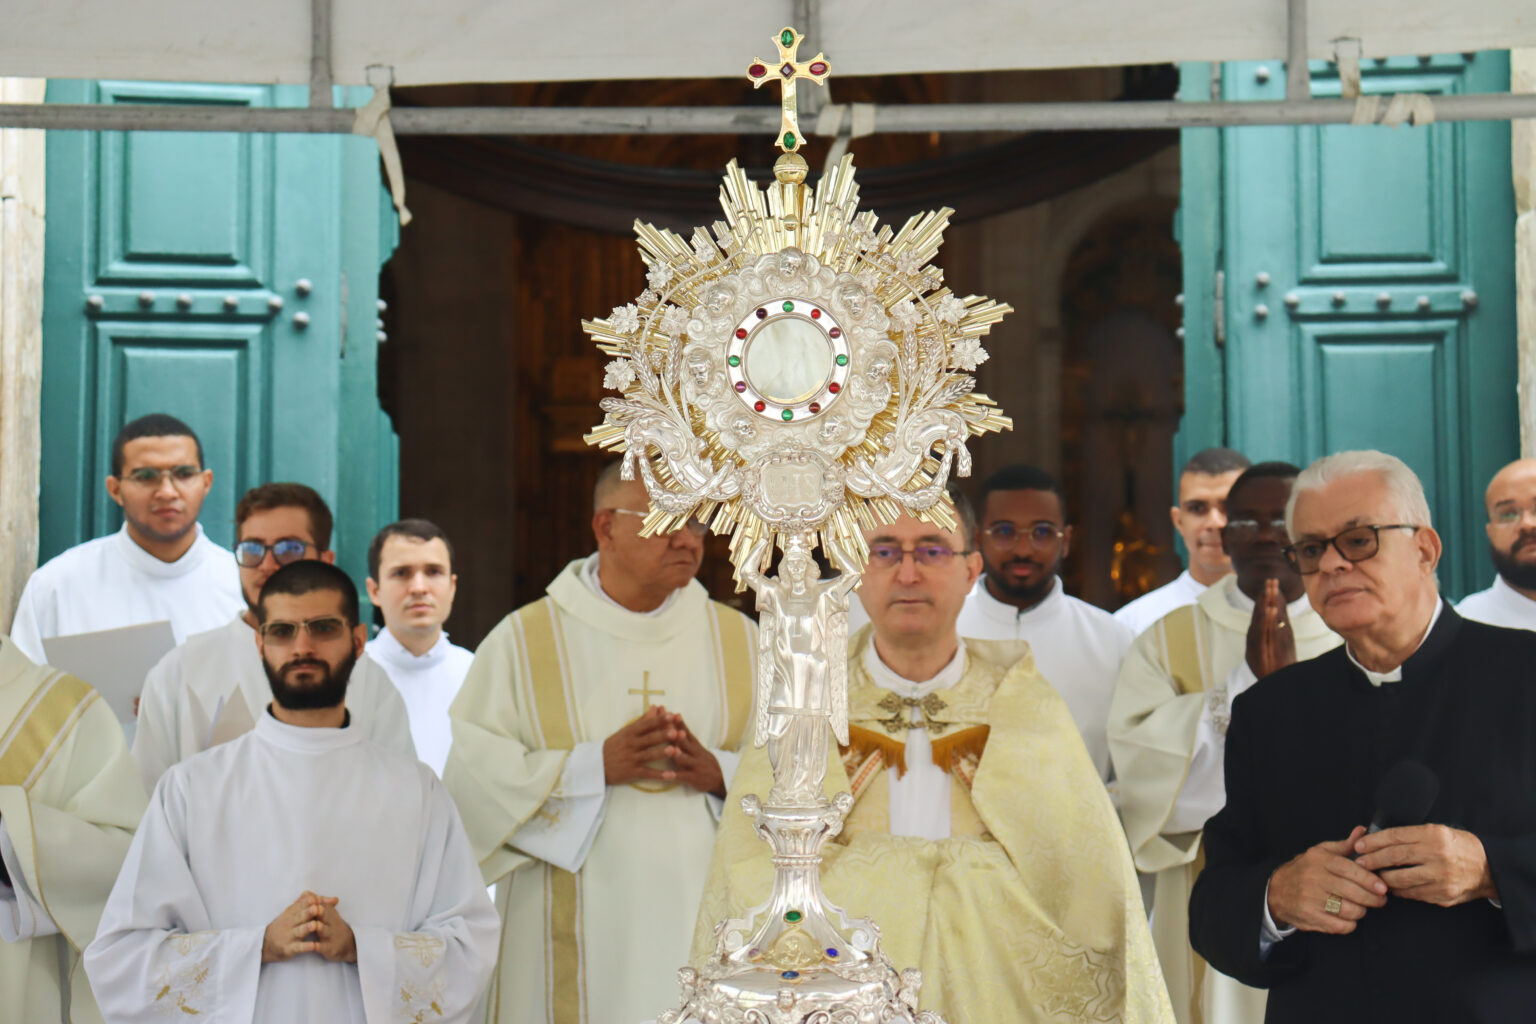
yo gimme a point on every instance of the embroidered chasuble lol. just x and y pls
(1028, 909)
(1167, 734)
(212, 689)
(69, 801)
(234, 835)
(598, 886)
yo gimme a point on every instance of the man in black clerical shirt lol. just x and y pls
(1420, 922)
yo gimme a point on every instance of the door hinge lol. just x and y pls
(1219, 310)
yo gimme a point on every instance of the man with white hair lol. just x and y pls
(1423, 725)
(1511, 501)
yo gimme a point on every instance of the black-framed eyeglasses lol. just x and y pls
(1253, 527)
(1355, 544)
(250, 553)
(889, 556)
(325, 627)
(149, 476)
(693, 526)
(1006, 535)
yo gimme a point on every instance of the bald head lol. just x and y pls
(1515, 482)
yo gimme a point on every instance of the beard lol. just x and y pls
(328, 692)
(1024, 595)
(1520, 575)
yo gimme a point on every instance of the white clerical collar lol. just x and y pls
(149, 565)
(390, 647)
(1002, 611)
(304, 739)
(1396, 674)
(594, 583)
(1243, 603)
(883, 676)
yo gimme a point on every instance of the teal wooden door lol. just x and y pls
(1353, 287)
(230, 280)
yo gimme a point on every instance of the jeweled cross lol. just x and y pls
(645, 693)
(786, 72)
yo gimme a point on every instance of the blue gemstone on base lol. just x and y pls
(790, 975)
(831, 952)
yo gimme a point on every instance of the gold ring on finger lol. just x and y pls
(1334, 903)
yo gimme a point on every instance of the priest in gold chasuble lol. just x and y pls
(593, 741)
(980, 838)
(69, 801)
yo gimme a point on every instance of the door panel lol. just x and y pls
(1368, 289)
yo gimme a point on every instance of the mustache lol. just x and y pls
(1022, 561)
(304, 663)
(1525, 540)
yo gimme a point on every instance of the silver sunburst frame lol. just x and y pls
(797, 375)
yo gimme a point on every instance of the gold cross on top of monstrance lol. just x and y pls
(786, 72)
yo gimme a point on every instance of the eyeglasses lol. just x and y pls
(888, 556)
(1508, 514)
(1006, 535)
(327, 627)
(149, 476)
(1253, 527)
(1355, 544)
(250, 553)
(693, 526)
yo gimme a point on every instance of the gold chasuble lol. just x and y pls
(70, 799)
(1174, 669)
(1029, 911)
(601, 944)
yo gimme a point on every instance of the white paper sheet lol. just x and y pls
(115, 661)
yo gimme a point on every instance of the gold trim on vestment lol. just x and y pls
(737, 671)
(45, 720)
(564, 960)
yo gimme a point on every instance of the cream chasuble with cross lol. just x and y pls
(1167, 735)
(69, 801)
(598, 886)
(1021, 907)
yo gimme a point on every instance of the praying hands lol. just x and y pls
(310, 924)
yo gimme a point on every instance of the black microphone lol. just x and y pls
(1405, 795)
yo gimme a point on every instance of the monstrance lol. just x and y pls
(792, 377)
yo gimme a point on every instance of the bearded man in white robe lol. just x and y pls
(213, 688)
(69, 800)
(300, 872)
(1168, 723)
(593, 741)
(1511, 503)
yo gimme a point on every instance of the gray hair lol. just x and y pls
(1401, 482)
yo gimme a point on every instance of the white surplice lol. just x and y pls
(111, 582)
(427, 683)
(236, 834)
(1077, 647)
(69, 800)
(1153, 605)
(213, 689)
(1500, 605)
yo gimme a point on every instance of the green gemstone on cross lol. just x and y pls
(789, 307)
(787, 38)
(842, 360)
(789, 140)
(734, 360)
(793, 915)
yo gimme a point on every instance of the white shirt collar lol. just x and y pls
(1510, 597)
(149, 565)
(390, 647)
(883, 676)
(594, 583)
(1396, 674)
(304, 739)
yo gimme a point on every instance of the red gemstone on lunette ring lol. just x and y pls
(815, 314)
(741, 332)
(835, 333)
(834, 387)
(759, 405)
(814, 407)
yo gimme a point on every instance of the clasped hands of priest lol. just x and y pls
(657, 736)
(1333, 885)
(310, 924)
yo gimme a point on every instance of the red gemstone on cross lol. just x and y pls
(757, 71)
(788, 70)
(819, 68)
(835, 333)
(741, 332)
(759, 405)
(834, 387)
(815, 314)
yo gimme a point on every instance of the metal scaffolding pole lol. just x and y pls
(901, 118)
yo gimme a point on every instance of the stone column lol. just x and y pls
(1523, 79)
(21, 342)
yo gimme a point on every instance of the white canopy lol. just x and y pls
(440, 41)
